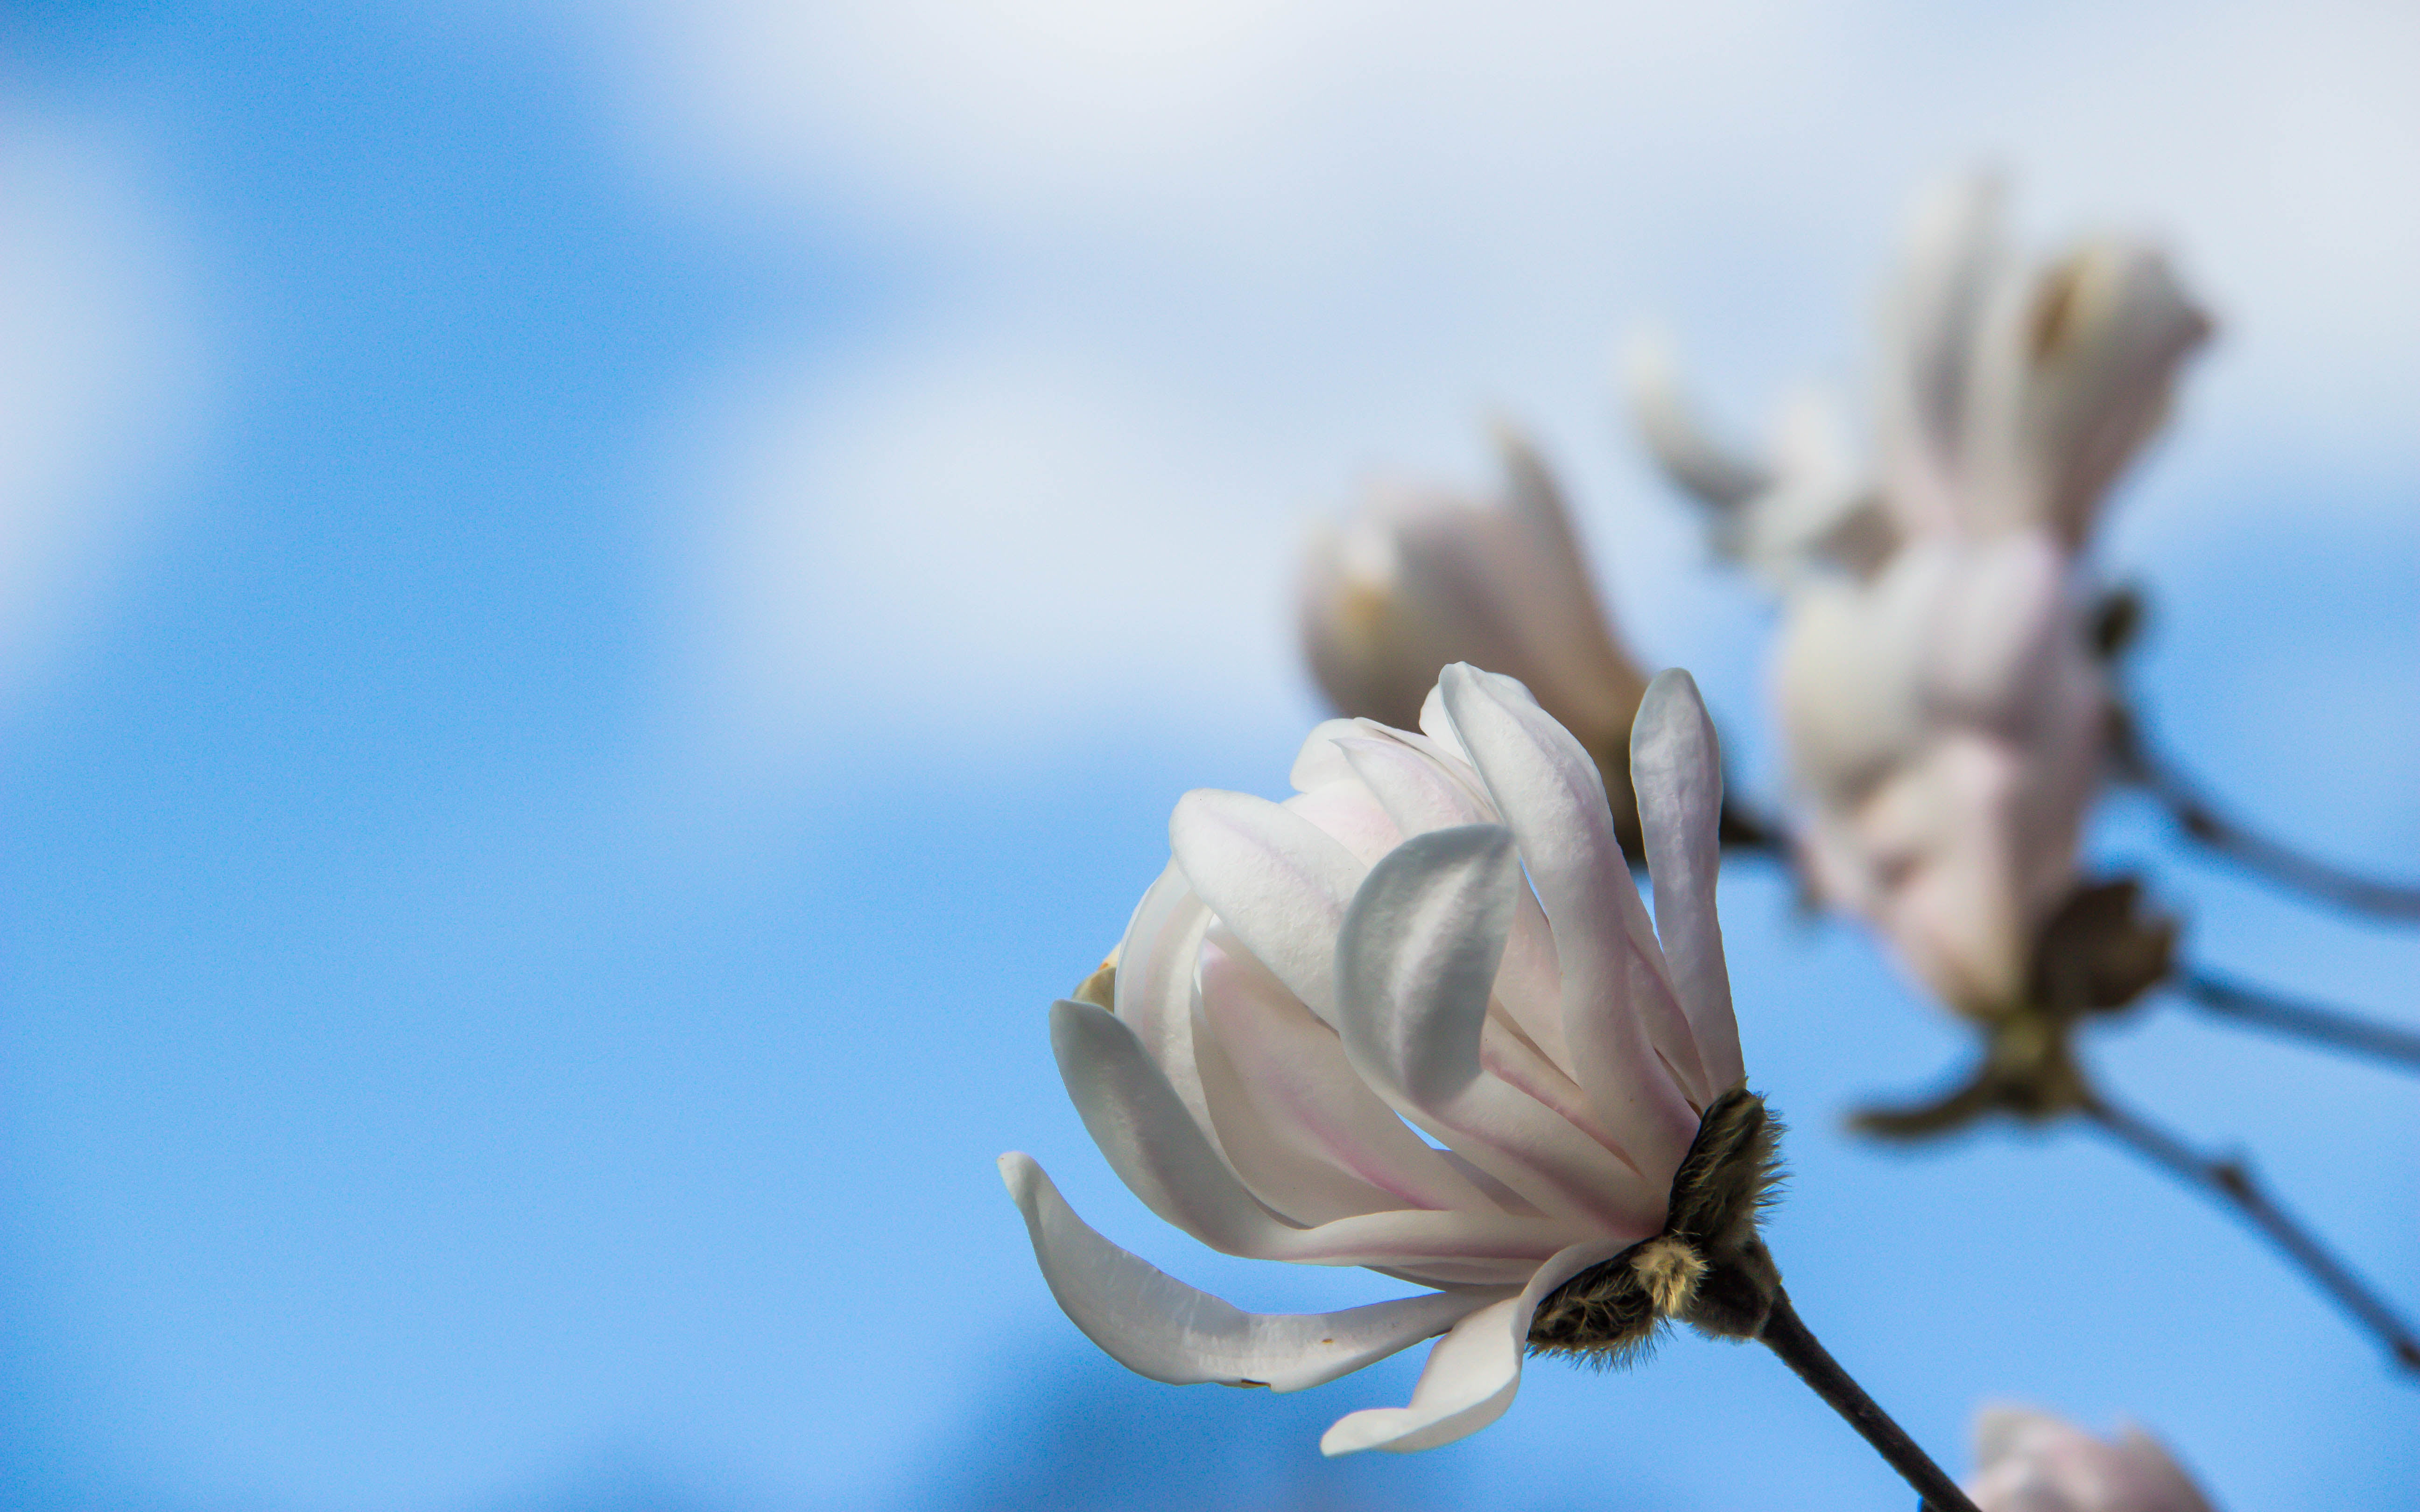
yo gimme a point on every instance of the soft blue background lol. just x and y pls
(422, 1090)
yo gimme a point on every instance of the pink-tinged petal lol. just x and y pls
(1676, 765)
(1319, 763)
(1275, 879)
(1301, 1093)
(2078, 363)
(1414, 789)
(1414, 964)
(1165, 1159)
(1158, 1326)
(1472, 1374)
(1346, 813)
(1296, 1183)
(2030, 1461)
(1620, 1019)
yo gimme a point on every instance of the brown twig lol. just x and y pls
(2231, 1183)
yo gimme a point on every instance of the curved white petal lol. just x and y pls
(1319, 763)
(1439, 726)
(1566, 636)
(1619, 1014)
(1154, 982)
(1676, 435)
(1158, 1326)
(1273, 877)
(1472, 1373)
(1923, 413)
(1150, 1139)
(1676, 766)
(1414, 964)
(1155, 1148)
(1421, 794)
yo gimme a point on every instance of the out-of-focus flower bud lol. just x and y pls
(1416, 579)
(1436, 932)
(1944, 722)
(2030, 1461)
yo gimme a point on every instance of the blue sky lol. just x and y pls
(665, 612)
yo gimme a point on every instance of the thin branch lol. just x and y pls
(1786, 1336)
(2331, 1027)
(2231, 1183)
(2203, 822)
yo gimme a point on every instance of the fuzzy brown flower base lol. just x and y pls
(1710, 1269)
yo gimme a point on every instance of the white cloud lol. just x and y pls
(96, 381)
(960, 532)
(1296, 239)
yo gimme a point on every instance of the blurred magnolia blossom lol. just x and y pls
(2030, 1461)
(1945, 723)
(1945, 715)
(1310, 981)
(1416, 578)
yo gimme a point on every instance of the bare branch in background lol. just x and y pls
(2230, 1181)
(2201, 820)
(2236, 1003)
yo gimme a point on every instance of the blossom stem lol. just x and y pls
(2203, 823)
(1787, 1337)
(2230, 1181)
(2241, 1004)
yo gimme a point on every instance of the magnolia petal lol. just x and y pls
(1414, 964)
(1439, 726)
(1154, 995)
(1618, 1011)
(1158, 1326)
(1346, 813)
(1320, 761)
(1165, 1159)
(1149, 1137)
(1472, 1374)
(1295, 1181)
(1420, 795)
(1569, 650)
(1274, 878)
(1676, 765)
(1676, 435)
(1417, 794)
(1302, 1091)
(1923, 412)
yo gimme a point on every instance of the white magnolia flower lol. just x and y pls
(1310, 981)
(2033, 1462)
(1945, 718)
(1945, 723)
(1417, 579)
